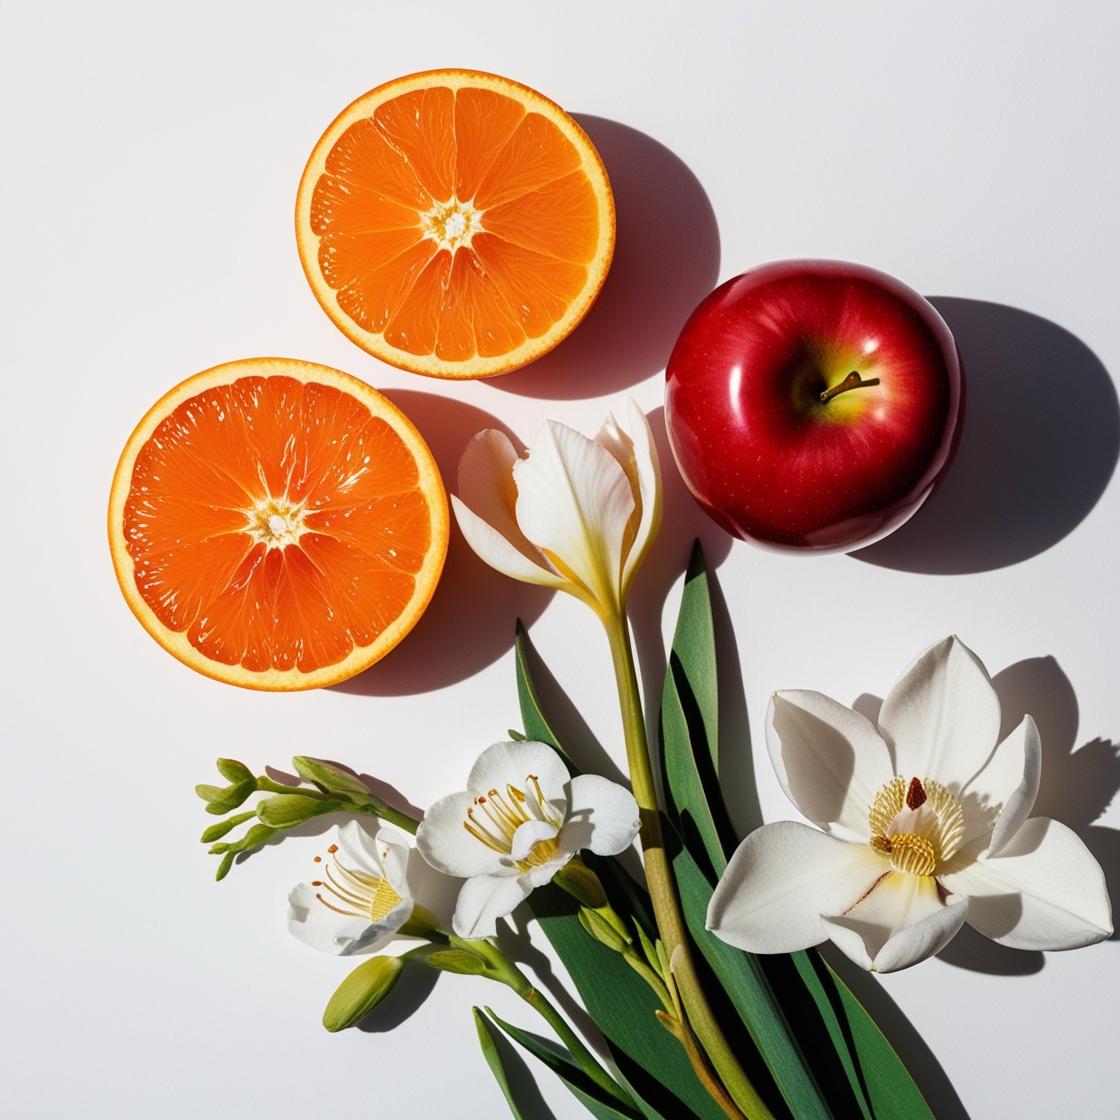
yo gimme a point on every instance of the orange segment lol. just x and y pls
(455, 223)
(276, 524)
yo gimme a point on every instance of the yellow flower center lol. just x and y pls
(353, 892)
(495, 816)
(919, 824)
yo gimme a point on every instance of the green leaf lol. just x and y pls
(332, 778)
(488, 1041)
(622, 1006)
(455, 960)
(537, 727)
(561, 1062)
(748, 988)
(361, 992)
(690, 726)
(217, 831)
(287, 810)
(876, 1076)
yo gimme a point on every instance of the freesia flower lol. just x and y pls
(365, 889)
(518, 822)
(926, 826)
(574, 513)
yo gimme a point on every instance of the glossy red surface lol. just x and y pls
(758, 449)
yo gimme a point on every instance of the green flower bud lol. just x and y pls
(222, 799)
(581, 883)
(332, 778)
(286, 810)
(361, 992)
(217, 831)
(234, 771)
(601, 930)
(455, 960)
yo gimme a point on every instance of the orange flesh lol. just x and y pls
(511, 281)
(337, 564)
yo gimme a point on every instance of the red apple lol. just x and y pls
(813, 404)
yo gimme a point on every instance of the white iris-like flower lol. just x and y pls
(574, 513)
(364, 890)
(926, 826)
(518, 822)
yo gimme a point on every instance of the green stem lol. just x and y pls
(503, 969)
(662, 890)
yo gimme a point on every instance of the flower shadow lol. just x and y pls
(472, 600)
(666, 260)
(1039, 444)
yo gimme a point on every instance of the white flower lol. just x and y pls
(575, 514)
(364, 891)
(926, 827)
(518, 822)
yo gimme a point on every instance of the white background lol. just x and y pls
(150, 160)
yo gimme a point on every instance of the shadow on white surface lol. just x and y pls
(666, 260)
(1039, 445)
(472, 600)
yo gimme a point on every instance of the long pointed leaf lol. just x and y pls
(488, 1042)
(561, 1062)
(690, 726)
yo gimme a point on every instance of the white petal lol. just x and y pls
(941, 719)
(1004, 791)
(359, 848)
(574, 503)
(446, 844)
(431, 890)
(602, 816)
(830, 760)
(341, 934)
(780, 881)
(528, 834)
(483, 900)
(505, 764)
(1043, 891)
(632, 445)
(485, 509)
(497, 551)
(901, 922)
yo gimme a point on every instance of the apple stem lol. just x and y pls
(852, 381)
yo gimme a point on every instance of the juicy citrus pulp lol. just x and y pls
(455, 223)
(277, 524)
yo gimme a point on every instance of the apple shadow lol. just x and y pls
(1034, 456)
(1077, 786)
(666, 260)
(468, 624)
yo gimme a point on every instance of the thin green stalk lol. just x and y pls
(662, 889)
(503, 969)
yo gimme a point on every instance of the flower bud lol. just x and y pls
(332, 778)
(602, 930)
(455, 960)
(361, 992)
(286, 810)
(222, 799)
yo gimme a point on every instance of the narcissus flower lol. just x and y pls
(364, 891)
(574, 513)
(518, 822)
(926, 826)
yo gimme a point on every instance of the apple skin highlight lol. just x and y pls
(764, 454)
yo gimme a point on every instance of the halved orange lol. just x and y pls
(276, 524)
(455, 223)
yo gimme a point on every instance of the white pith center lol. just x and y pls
(918, 824)
(354, 893)
(451, 224)
(275, 522)
(494, 817)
